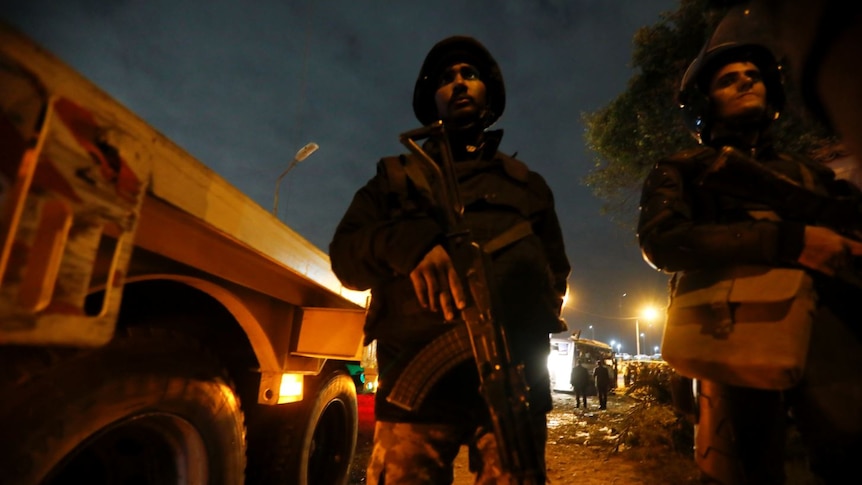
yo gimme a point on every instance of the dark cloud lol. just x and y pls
(243, 85)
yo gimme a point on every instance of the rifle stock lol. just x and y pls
(502, 383)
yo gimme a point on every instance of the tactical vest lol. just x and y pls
(411, 186)
(498, 206)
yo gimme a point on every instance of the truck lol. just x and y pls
(156, 324)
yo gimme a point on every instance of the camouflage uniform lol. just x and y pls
(414, 453)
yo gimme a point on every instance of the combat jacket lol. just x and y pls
(388, 229)
(683, 227)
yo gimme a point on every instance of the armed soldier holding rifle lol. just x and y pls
(736, 201)
(462, 250)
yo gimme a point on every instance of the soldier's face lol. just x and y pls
(737, 91)
(460, 93)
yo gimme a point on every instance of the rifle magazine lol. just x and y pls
(429, 366)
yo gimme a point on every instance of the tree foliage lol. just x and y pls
(644, 124)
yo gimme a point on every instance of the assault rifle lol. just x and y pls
(735, 174)
(502, 383)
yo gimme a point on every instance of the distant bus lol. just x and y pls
(566, 352)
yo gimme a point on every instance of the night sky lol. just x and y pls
(242, 86)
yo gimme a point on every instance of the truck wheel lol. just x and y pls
(150, 407)
(310, 442)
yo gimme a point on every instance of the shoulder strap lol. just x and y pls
(508, 237)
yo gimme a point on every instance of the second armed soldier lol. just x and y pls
(731, 94)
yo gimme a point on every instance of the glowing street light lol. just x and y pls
(592, 333)
(649, 314)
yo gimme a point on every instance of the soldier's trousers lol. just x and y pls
(421, 453)
(741, 432)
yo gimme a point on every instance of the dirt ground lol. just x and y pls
(581, 449)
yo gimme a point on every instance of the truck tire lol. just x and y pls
(149, 407)
(311, 442)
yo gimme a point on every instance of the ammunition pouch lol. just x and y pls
(745, 326)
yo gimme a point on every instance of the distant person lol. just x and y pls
(634, 370)
(602, 376)
(580, 383)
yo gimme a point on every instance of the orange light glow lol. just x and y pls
(290, 389)
(649, 313)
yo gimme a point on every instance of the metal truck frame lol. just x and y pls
(156, 324)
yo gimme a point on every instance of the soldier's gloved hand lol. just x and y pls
(436, 283)
(827, 251)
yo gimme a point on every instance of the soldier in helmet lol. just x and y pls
(730, 96)
(821, 39)
(390, 241)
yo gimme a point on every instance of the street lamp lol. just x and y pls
(592, 333)
(301, 155)
(648, 314)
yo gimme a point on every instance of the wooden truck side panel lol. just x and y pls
(146, 304)
(94, 186)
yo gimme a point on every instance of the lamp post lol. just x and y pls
(592, 333)
(649, 313)
(301, 155)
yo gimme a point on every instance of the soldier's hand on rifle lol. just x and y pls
(437, 284)
(827, 251)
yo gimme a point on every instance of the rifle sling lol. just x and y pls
(449, 349)
(508, 237)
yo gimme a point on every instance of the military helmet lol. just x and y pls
(734, 40)
(449, 51)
